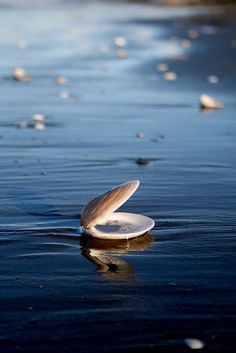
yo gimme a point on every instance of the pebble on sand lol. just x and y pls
(162, 67)
(213, 79)
(208, 102)
(142, 161)
(122, 54)
(120, 42)
(61, 80)
(194, 343)
(170, 76)
(20, 74)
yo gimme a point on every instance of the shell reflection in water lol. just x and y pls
(107, 256)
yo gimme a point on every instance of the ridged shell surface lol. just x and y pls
(102, 206)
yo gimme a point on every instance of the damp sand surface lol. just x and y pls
(60, 292)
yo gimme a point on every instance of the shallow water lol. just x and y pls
(60, 292)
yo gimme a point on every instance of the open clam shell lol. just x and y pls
(99, 220)
(208, 102)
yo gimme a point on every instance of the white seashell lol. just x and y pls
(194, 343)
(38, 117)
(208, 102)
(213, 79)
(120, 42)
(99, 220)
(61, 80)
(20, 74)
(64, 95)
(162, 67)
(170, 76)
(39, 126)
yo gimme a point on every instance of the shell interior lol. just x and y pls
(121, 225)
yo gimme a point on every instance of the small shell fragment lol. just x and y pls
(162, 67)
(121, 54)
(39, 126)
(213, 79)
(194, 343)
(120, 42)
(64, 95)
(20, 74)
(185, 43)
(61, 80)
(208, 102)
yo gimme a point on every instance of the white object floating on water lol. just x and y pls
(213, 79)
(61, 80)
(170, 76)
(99, 219)
(120, 42)
(20, 74)
(38, 117)
(208, 102)
(194, 343)
(162, 67)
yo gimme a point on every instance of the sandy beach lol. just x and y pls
(112, 84)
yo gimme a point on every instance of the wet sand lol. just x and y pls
(61, 293)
